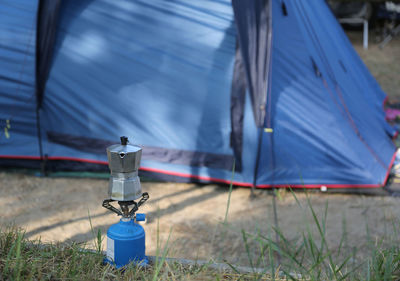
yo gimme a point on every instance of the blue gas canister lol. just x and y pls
(126, 242)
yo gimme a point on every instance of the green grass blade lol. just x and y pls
(163, 257)
(246, 244)
(229, 194)
(17, 272)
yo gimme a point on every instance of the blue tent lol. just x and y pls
(272, 86)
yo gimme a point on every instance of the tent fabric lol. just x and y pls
(171, 156)
(253, 26)
(238, 97)
(342, 130)
(186, 80)
(47, 26)
(17, 77)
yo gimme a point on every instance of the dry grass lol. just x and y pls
(384, 64)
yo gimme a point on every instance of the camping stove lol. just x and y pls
(126, 239)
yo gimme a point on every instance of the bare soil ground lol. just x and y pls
(57, 209)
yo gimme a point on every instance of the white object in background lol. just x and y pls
(365, 37)
(392, 7)
(358, 21)
(323, 188)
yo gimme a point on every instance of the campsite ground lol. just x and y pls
(56, 209)
(384, 63)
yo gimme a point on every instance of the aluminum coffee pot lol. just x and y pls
(124, 162)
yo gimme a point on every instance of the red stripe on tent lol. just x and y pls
(336, 185)
(211, 179)
(385, 101)
(147, 169)
(204, 178)
(311, 186)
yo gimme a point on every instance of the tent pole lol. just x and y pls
(260, 135)
(39, 135)
(274, 190)
(275, 210)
